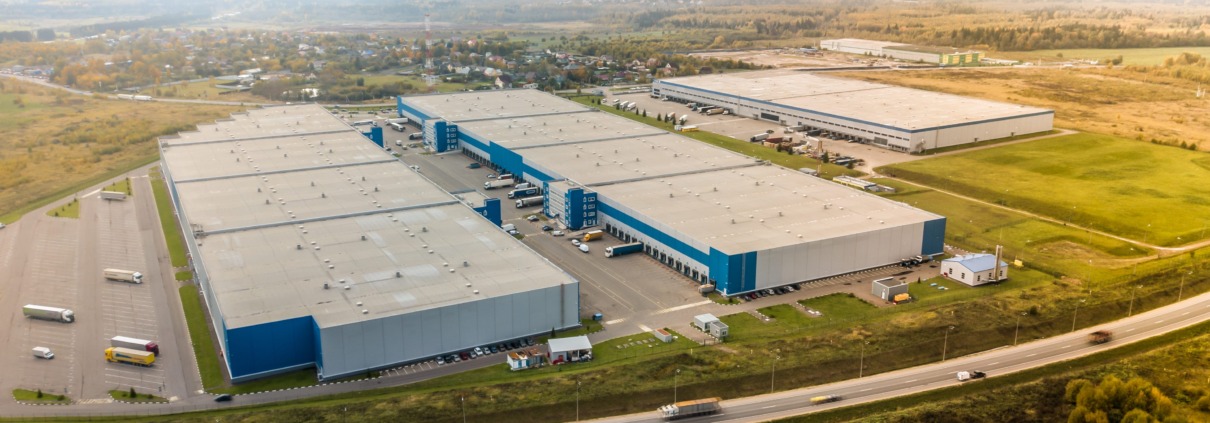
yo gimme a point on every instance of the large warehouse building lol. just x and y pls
(897, 118)
(925, 54)
(715, 216)
(315, 248)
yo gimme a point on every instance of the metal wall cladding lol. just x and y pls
(388, 341)
(835, 256)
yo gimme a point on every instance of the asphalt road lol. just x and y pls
(942, 374)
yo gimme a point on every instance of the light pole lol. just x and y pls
(1018, 330)
(577, 400)
(464, 409)
(945, 342)
(674, 376)
(1088, 277)
(1074, 314)
(773, 373)
(1130, 311)
(1180, 294)
(861, 364)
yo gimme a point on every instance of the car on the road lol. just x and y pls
(575, 242)
(223, 398)
(532, 218)
(491, 176)
(557, 233)
(547, 228)
(973, 374)
(824, 399)
(1, 226)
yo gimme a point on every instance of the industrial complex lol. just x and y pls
(925, 54)
(896, 118)
(715, 216)
(315, 248)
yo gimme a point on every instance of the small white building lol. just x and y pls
(524, 359)
(711, 325)
(572, 349)
(974, 269)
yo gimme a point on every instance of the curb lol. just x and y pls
(68, 402)
(305, 387)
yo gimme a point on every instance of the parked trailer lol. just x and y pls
(123, 275)
(525, 192)
(618, 250)
(125, 96)
(142, 98)
(529, 201)
(113, 195)
(135, 344)
(49, 313)
(594, 235)
(717, 111)
(690, 408)
(498, 183)
(759, 137)
(129, 356)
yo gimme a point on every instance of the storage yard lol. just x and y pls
(315, 249)
(896, 118)
(716, 217)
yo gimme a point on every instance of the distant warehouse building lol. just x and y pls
(315, 248)
(715, 216)
(884, 49)
(897, 118)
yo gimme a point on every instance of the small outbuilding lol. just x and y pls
(975, 269)
(888, 288)
(573, 349)
(524, 359)
(663, 335)
(712, 325)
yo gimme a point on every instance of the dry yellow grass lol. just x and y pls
(53, 143)
(1108, 101)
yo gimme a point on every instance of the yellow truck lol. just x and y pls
(129, 356)
(594, 235)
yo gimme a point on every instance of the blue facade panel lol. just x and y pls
(733, 274)
(658, 236)
(375, 135)
(410, 112)
(491, 211)
(934, 237)
(573, 201)
(275, 347)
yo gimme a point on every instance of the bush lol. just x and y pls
(39, 394)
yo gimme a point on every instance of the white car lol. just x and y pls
(575, 242)
(557, 233)
(584, 247)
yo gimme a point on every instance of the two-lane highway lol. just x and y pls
(938, 375)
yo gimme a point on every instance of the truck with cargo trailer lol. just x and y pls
(692, 408)
(497, 183)
(717, 111)
(135, 344)
(49, 313)
(1100, 337)
(142, 98)
(113, 195)
(594, 235)
(824, 399)
(129, 356)
(120, 275)
(525, 192)
(529, 201)
(759, 137)
(618, 250)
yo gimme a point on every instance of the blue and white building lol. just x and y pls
(715, 216)
(975, 269)
(314, 248)
(896, 118)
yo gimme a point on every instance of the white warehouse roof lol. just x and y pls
(902, 108)
(311, 201)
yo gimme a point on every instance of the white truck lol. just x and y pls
(498, 183)
(43, 353)
(49, 313)
(113, 195)
(120, 275)
(125, 96)
(135, 344)
(142, 98)
(529, 201)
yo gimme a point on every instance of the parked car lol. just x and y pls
(557, 233)
(464, 356)
(575, 242)
(491, 176)
(440, 361)
(494, 349)
(532, 218)
(223, 398)
(529, 341)
(514, 344)
(547, 228)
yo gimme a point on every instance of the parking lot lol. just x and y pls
(57, 261)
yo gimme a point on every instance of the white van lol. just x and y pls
(43, 353)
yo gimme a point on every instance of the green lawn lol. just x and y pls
(203, 344)
(172, 234)
(122, 185)
(1137, 190)
(25, 395)
(184, 275)
(1130, 56)
(124, 395)
(69, 210)
(739, 146)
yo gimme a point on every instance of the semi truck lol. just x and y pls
(717, 111)
(973, 374)
(618, 250)
(1100, 337)
(529, 201)
(125, 96)
(497, 183)
(759, 137)
(525, 192)
(123, 275)
(135, 344)
(129, 356)
(594, 235)
(49, 313)
(113, 195)
(142, 98)
(824, 399)
(692, 408)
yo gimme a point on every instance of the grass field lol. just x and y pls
(124, 395)
(794, 162)
(25, 395)
(203, 343)
(206, 90)
(122, 186)
(1119, 186)
(69, 210)
(1130, 56)
(57, 143)
(163, 206)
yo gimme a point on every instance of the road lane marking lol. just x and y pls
(1185, 313)
(1031, 355)
(644, 328)
(910, 381)
(993, 364)
(615, 321)
(1065, 346)
(1159, 321)
(1128, 330)
(866, 389)
(767, 407)
(682, 307)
